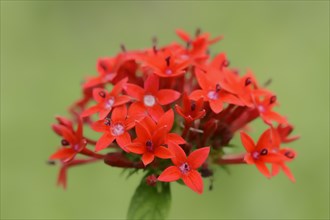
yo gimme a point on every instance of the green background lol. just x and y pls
(48, 47)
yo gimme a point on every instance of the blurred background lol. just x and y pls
(48, 47)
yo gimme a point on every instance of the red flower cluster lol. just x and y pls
(131, 101)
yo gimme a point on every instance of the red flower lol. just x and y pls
(213, 93)
(201, 39)
(186, 167)
(72, 142)
(262, 152)
(152, 137)
(289, 155)
(284, 131)
(115, 128)
(191, 111)
(106, 101)
(265, 110)
(150, 98)
(166, 64)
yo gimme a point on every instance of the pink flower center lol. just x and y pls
(149, 100)
(76, 147)
(117, 129)
(261, 108)
(184, 168)
(168, 72)
(255, 155)
(109, 103)
(213, 95)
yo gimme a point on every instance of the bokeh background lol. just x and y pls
(47, 47)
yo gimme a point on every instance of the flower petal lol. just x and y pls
(135, 91)
(116, 90)
(167, 96)
(120, 100)
(198, 157)
(197, 94)
(173, 137)
(90, 111)
(155, 112)
(247, 142)
(119, 113)
(163, 152)
(151, 85)
(263, 169)
(167, 120)
(170, 174)
(203, 82)
(123, 140)
(137, 148)
(142, 133)
(216, 105)
(105, 140)
(63, 154)
(177, 151)
(287, 172)
(147, 158)
(194, 181)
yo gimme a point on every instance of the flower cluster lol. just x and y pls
(171, 111)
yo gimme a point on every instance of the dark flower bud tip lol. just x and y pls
(289, 154)
(107, 121)
(264, 152)
(65, 142)
(248, 81)
(168, 61)
(272, 99)
(102, 94)
(217, 87)
(193, 107)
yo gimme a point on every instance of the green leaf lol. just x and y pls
(150, 202)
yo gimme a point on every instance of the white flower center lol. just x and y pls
(261, 108)
(117, 129)
(213, 95)
(168, 71)
(184, 168)
(109, 103)
(149, 100)
(255, 155)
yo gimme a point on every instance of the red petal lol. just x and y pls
(105, 140)
(90, 111)
(63, 154)
(167, 96)
(247, 142)
(61, 179)
(263, 169)
(147, 158)
(104, 113)
(120, 100)
(119, 113)
(167, 120)
(163, 152)
(142, 133)
(229, 98)
(270, 116)
(197, 94)
(159, 136)
(151, 85)
(96, 94)
(170, 174)
(118, 87)
(275, 169)
(265, 140)
(248, 159)
(137, 148)
(135, 91)
(155, 112)
(175, 138)
(68, 135)
(99, 126)
(287, 172)
(123, 140)
(180, 155)
(216, 105)
(198, 157)
(183, 35)
(194, 181)
(203, 82)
